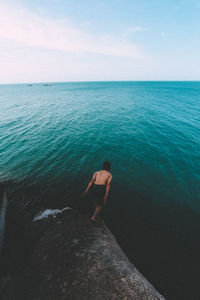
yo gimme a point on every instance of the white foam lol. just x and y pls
(48, 212)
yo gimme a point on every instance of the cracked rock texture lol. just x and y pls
(72, 258)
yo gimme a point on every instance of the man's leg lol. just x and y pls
(98, 208)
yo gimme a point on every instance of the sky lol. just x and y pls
(99, 40)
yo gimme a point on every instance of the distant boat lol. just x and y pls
(47, 84)
(29, 84)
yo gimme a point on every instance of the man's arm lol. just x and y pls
(107, 188)
(90, 183)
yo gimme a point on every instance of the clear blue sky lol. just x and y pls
(62, 40)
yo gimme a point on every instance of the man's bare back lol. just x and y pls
(101, 177)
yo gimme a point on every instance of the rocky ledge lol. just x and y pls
(74, 259)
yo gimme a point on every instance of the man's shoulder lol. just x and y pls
(109, 174)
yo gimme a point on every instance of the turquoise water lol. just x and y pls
(54, 137)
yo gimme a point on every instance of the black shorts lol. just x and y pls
(99, 191)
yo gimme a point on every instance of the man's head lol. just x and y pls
(106, 165)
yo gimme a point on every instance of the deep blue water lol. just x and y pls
(52, 139)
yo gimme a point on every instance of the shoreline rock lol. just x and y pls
(72, 258)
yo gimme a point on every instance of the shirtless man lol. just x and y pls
(101, 181)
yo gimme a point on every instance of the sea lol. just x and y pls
(53, 137)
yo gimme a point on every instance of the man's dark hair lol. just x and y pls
(106, 165)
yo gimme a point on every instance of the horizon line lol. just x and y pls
(91, 81)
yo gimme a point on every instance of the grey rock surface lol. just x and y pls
(74, 259)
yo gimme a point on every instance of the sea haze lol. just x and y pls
(52, 139)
